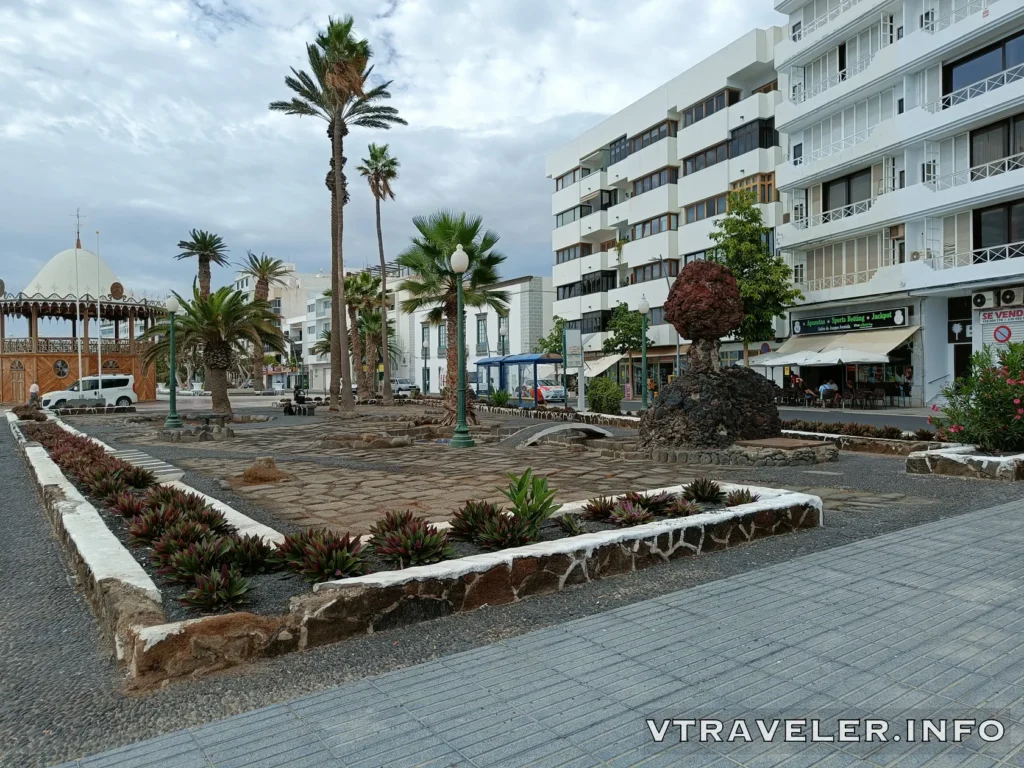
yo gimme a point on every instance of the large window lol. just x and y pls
(572, 252)
(442, 338)
(710, 105)
(655, 134)
(705, 209)
(481, 331)
(759, 134)
(698, 256)
(594, 282)
(999, 225)
(664, 223)
(848, 190)
(982, 64)
(655, 180)
(656, 270)
(573, 214)
(618, 150)
(595, 322)
(570, 178)
(656, 316)
(761, 184)
(425, 337)
(710, 156)
(996, 141)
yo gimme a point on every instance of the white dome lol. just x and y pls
(59, 276)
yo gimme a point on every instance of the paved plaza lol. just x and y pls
(925, 623)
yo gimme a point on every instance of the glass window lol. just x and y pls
(978, 67)
(835, 194)
(426, 335)
(860, 186)
(701, 211)
(1014, 51)
(442, 336)
(481, 330)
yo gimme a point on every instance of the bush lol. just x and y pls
(251, 555)
(504, 531)
(334, 557)
(196, 559)
(924, 434)
(105, 483)
(222, 588)
(890, 433)
(138, 477)
(532, 500)
(176, 538)
(599, 509)
(415, 543)
(500, 398)
(986, 407)
(627, 513)
(684, 508)
(389, 523)
(126, 505)
(149, 526)
(210, 517)
(604, 396)
(571, 525)
(741, 496)
(470, 518)
(659, 503)
(704, 490)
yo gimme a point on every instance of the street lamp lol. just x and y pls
(503, 333)
(461, 438)
(172, 421)
(644, 309)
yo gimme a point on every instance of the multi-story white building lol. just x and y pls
(903, 183)
(635, 197)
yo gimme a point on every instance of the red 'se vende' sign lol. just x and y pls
(1003, 314)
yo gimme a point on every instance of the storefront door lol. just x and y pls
(961, 360)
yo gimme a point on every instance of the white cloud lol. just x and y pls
(151, 115)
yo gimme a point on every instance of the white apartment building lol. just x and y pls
(653, 178)
(424, 347)
(903, 184)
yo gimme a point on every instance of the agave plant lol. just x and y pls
(504, 531)
(704, 490)
(223, 588)
(741, 496)
(198, 558)
(126, 505)
(571, 525)
(251, 555)
(683, 508)
(627, 513)
(415, 543)
(531, 500)
(599, 509)
(470, 518)
(389, 523)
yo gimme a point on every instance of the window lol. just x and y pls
(705, 158)
(425, 336)
(798, 153)
(768, 87)
(709, 106)
(995, 142)
(798, 273)
(595, 322)
(899, 106)
(796, 31)
(848, 190)
(574, 324)
(656, 316)
(573, 214)
(762, 185)
(481, 331)
(999, 225)
(698, 256)
(598, 282)
(663, 223)
(572, 252)
(114, 383)
(442, 337)
(570, 178)
(655, 180)
(705, 209)
(655, 134)
(618, 150)
(275, 306)
(656, 270)
(754, 135)
(981, 65)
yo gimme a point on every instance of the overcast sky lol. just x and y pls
(151, 116)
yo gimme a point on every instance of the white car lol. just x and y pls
(403, 387)
(117, 389)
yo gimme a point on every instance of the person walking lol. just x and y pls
(33, 394)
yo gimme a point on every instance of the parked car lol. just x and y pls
(548, 390)
(117, 389)
(403, 387)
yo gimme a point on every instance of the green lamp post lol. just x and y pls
(644, 309)
(172, 421)
(461, 438)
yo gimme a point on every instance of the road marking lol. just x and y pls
(821, 472)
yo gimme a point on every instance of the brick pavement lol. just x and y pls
(924, 623)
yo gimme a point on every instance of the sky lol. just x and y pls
(151, 117)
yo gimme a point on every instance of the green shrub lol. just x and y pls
(415, 543)
(684, 508)
(126, 505)
(704, 490)
(224, 588)
(986, 407)
(146, 528)
(627, 513)
(598, 509)
(604, 396)
(890, 433)
(321, 555)
(470, 518)
(504, 531)
(571, 525)
(388, 523)
(741, 496)
(250, 554)
(198, 558)
(176, 538)
(531, 499)
(210, 517)
(138, 477)
(924, 434)
(500, 398)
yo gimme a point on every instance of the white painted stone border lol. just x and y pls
(870, 438)
(244, 523)
(771, 499)
(1005, 466)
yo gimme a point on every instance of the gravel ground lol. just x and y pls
(61, 698)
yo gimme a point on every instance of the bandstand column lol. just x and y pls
(34, 328)
(131, 330)
(85, 339)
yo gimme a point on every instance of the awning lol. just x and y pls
(842, 356)
(602, 364)
(881, 342)
(795, 350)
(866, 347)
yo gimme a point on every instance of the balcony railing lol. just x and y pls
(834, 148)
(954, 16)
(835, 214)
(978, 256)
(801, 94)
(967, 175)
(822, 20)
(837, 281)
(972, 91)
(68, 346)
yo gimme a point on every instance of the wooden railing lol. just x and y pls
(67, 346)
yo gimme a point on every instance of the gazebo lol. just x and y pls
(512, 376)
(75, 286)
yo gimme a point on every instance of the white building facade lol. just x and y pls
(903, 183)
(635, 198)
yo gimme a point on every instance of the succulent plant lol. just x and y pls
(741, 496)
(924, 434)
(391, 521)
(684, 508)
(146, 528)
(251, 555)
(504, 531)
(126, 505)
(571, 525)
(175, 538)
(219, 588)
(658, 503)
(704, 490)
(890, 432)
(467, 521)
(333, 557)
(139, 478)
(598, 509)
(160, 495)
(627, 513)
(531, 500)
(209, 517)
(415, 543)
(105, 483)
(197, 558)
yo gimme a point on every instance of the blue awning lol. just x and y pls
(533, 357)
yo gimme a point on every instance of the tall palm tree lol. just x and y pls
(223, 325)
(209, 249)
(380, 169)
(363, 291)
(322, 346)
(433, 283)
(266, 272)
(336, 92)
(370, 330)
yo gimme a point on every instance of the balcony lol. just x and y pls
(974, 90)
(826, 18)
(835, 148)
(67, 346)
(862, 206)
(595, 226)
(978, 172)
(801, 94)
(977, 256)
(957, 14)
(827, 29)
(593, 184)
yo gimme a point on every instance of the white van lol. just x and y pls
(117, 389)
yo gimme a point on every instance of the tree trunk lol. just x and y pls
(261, 293)
(217, 383)
(631, 392)
(383, 311)
(362, 386)
(371, 352)
(346, 401)
(335, 301)
(452, 353)
(746, 353)
(204, 277)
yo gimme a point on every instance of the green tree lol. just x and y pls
(432, 283)
(765, 280)
(336, 92)
(380, 169)
(552, 343)
(223, 325)
(371, 335)
(627, 333)
(265, 271)
(322, 346)
(209, 249)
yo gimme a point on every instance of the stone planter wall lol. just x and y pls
(630, 422)
(733, 456)
(965, 461)
(342, 609)
(879, 445)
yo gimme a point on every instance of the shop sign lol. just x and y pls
(1001, 326)
(862, 321)
(959, 331)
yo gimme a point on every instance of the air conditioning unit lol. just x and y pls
(984, 300)
(1011, 297)
(915, 255)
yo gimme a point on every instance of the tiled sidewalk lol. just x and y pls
(924, 623)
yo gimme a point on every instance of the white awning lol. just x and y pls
(858, 347)
(602, 364)
(842, 356)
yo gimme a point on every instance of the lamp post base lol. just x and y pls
(461, 438)
(173, 422)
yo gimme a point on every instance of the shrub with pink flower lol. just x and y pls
(984, 407)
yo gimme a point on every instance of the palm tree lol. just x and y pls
(433, 283)
(209, 249)
(336, 93)
(223, 325)
(361, 293)
(379, 170)
(266, 272)
(322, 346)
(370, 330)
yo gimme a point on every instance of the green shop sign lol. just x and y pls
(864, 321)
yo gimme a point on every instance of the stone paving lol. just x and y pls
(923, 623)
